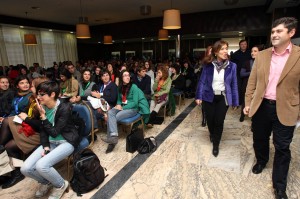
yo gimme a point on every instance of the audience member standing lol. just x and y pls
(244, 74)
(239, 57)
(217, 89)
(272, 100)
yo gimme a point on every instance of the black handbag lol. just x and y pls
(148, 145)
(134, 139)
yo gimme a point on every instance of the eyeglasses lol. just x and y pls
(41, 94)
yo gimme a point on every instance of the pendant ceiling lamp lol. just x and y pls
(163, 34)
(30, 39)
(107, 39)
(82, 28)
(172, 19)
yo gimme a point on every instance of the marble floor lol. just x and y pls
(183, 166)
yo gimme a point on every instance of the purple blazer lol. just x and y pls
(205, 91)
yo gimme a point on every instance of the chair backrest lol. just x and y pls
(85, 114)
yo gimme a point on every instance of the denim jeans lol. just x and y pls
(115, 115)
(41, 168)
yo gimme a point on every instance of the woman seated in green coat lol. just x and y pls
(131, 100)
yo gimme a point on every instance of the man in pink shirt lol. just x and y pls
(272, 100)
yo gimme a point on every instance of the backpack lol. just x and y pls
(87, 172)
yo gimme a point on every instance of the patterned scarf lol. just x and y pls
(220, 65)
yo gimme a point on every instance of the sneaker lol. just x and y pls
(43, 190)
(57, 193)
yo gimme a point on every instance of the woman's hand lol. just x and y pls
(119, 107)
(40, 109)
(198, 102)
(23, 116)
(72, 99)
(45, 151)
(96, 94)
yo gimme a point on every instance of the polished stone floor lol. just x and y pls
(183, 166)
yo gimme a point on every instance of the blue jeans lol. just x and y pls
(41, 168)
(115, 115)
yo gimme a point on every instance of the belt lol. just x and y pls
(219, 92)
(269, 101)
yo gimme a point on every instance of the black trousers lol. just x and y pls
(264, 121)
(215, 113)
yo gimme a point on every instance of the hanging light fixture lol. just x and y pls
(82, 28)
(107, 39)
(30, 39)
(172, 18)
(163, 34)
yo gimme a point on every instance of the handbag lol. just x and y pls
(148, 145)
(134, 139)
(161, 98)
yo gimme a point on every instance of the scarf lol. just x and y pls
(125, 90)
(220, 65)
(23, 93)
(160, 84)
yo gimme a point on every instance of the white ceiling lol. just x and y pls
(111, 11)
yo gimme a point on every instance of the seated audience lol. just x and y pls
(68, 84)
(161, 88)
(178, 80)
(143, 81)
(6, 97)
(130, 102)
(19, 103)
(58, 137)
(85, 87)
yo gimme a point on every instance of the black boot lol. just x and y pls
(16, 176)
(3, 179)
(215, 150)
(203, 118)
(151, 118)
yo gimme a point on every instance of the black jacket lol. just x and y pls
(63, 125)
(144, 84)
(6, 98)
(110, 93)
(179, 82)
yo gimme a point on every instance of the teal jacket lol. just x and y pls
(19, 104)
(135, 100)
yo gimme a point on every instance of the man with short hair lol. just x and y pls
(75, 73)
(240, 57)
(272, 100)
(143, 81)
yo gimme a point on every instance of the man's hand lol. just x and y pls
(246, 110)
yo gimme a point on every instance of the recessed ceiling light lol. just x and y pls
(202, 36)
(143, 38)
(198, 35)
(21, 26)
(123, 42)
(240, 32)
(151, 39)
(113, 41)
(50, 30)
(99, 42)
(169, 36)
(71, 32)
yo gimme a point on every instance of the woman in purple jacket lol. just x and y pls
(217, 89)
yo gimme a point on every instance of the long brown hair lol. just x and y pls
(164, 71)
(215, 48)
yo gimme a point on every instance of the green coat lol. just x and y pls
(135, 100)
(164, 89)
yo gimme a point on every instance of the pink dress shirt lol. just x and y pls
(277, 64)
